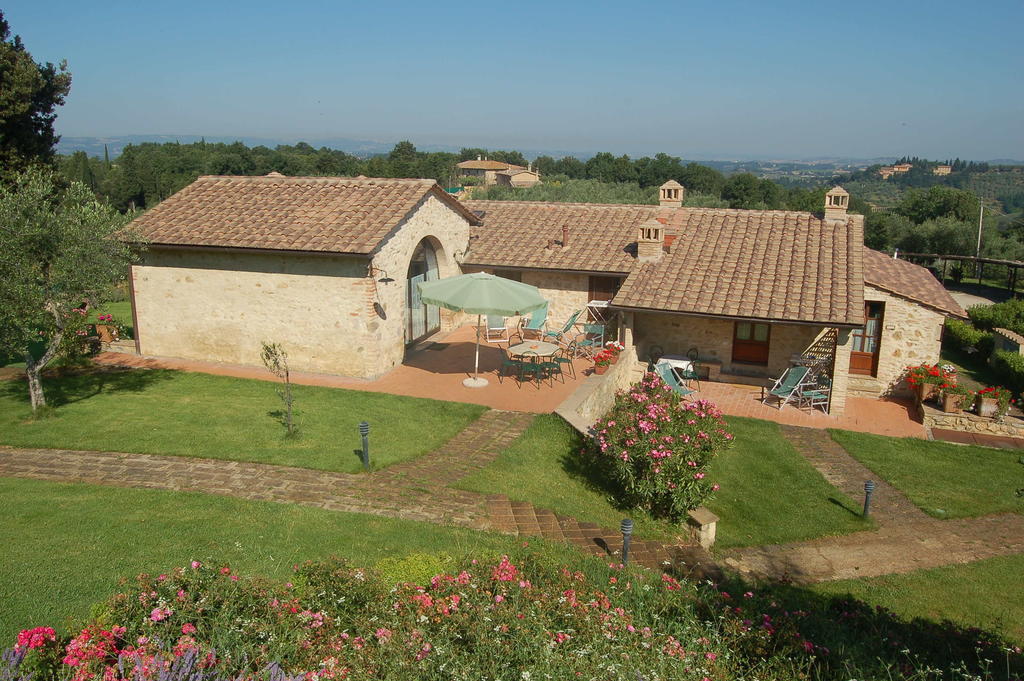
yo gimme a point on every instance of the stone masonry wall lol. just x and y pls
(911, 334)
(220, 306)
(449, 234)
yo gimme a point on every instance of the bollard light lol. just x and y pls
(627, 531)
(869, 487)
(364, 431)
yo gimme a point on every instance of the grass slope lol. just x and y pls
(988, 594)
(186, 414)
(769, 493)
(65, 546)
(944, 480)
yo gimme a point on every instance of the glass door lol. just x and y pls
(423, 320)
(867, 340)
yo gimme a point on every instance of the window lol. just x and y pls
(514, 275)
(750, 342)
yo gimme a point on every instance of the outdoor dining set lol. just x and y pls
(535, 352)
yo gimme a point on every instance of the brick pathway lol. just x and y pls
(907, 538)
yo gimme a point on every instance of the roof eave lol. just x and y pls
(774, 320)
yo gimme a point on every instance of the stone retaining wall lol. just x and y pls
(1011, 426)
(596, 394)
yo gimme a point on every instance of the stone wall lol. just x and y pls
(911, 334)
(596, 394)
(1010, 426)
(220, 305)
(713, 339)
(448, 233)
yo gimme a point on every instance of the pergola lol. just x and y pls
(979, 263)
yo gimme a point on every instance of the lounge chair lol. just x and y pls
(669, 376)
(787, 387)
(559, 336)
(496, 330)
(591, 341)
(691, 373)
(533, 327)
(816, 395)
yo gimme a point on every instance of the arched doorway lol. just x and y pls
(423, 319)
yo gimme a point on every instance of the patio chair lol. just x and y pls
(591, 341)
(531, 365)
(565, 357)
(654, 353)
(787, 387)
(817, 395)
(692, 373)
(669, 376)
(559, 336)
(533, 327)
(496, 330)
(510, 363)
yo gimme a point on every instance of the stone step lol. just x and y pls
(550, 529)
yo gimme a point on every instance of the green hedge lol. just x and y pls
(1007, 315)
(961, 335)
(1010, 366)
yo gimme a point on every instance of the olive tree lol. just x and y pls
(61, 253)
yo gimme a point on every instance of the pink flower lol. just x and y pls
(505, 571)
(499, 598)
(35, 638)
(196, 565)
(160, 614)
(711, 656)
(188, 628)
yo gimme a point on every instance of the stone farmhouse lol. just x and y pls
(498, 172)
(329, 267)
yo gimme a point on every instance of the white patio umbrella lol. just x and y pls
(480, 293)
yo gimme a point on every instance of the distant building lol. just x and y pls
(519, 177)
(888, 171)
(489, 170)
(942, 170)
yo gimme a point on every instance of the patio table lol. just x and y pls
(539, 348)
(677, 362)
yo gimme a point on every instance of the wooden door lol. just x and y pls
(750, 342)
(867, 340)
(603, 289)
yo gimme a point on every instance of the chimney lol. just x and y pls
(565, 236)
(479, 157)
(837, 200)
(650, 241)
(671, 194)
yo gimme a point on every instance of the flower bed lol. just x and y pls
(511, 617)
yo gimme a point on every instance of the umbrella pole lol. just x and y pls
(476, 381)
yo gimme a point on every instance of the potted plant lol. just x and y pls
(107, 329)
(926, 379)
(602, 361)
(955, 397)
(615, 348)
(993, 401)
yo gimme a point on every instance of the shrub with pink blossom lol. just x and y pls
(655, 448)
(526, 615)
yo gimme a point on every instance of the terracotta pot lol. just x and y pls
(107, 334)
(600, 368)
(615, 359)
(987, 406)
(951, 403)
(925, 391)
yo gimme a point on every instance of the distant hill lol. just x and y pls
(93, 146)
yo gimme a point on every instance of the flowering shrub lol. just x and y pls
(521, 616)
(930, 373)
(656, 448)
(614, 346)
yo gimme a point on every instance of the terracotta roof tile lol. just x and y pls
(488, 165)
(326, 214)
(756, 264)
(908, 280)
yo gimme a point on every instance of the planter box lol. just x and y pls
(925, 391)
(600, 369)
(987, 407)
(952, 404)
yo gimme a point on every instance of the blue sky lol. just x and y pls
(698, 80)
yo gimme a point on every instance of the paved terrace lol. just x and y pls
(434, 371)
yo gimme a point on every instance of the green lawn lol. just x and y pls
(190, 414)
(945, 480)
(769, 493)
(988, 594)
(65, 545)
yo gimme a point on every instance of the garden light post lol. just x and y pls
(869, 487)
(627, 532)
(364, 431)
